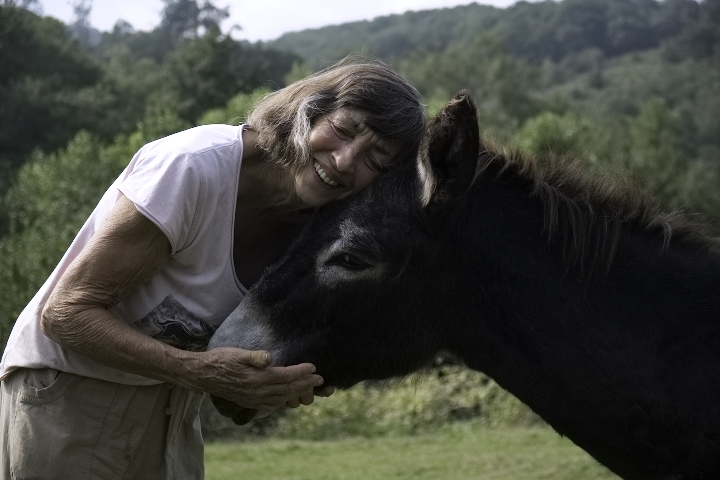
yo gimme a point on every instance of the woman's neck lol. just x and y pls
(263, 186)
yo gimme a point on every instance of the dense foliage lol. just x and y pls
(46, 84)
(56, 81)
(631, 86)
(531, 31)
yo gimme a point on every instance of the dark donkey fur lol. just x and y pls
(592, 308)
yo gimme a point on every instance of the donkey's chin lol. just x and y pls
(239, 415)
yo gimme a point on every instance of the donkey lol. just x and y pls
(581, 298)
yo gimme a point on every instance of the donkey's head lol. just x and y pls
(351, 294)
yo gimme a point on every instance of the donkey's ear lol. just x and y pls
(449, 154)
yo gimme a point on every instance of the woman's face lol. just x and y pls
(346, 157)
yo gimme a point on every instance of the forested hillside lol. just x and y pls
(535, 32)
(631, 86)
(597, 58)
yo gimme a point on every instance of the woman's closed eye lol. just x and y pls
(340, 131)
(373, 164)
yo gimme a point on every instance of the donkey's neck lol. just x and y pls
(621, 359)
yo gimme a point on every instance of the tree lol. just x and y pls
(185, 18)
(46, 84)
(551, 133)
(699, 38)
(31, 5)
(673, 15)
(657, 156)
(235, 111)
(502, 86)
(81, 23)
(205, 72)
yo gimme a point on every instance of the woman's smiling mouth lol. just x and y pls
(324, 176)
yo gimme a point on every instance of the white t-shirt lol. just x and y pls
(187, 185)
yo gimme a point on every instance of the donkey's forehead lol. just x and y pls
(353, 233)
(348, 227)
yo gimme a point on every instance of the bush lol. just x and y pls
(648, 148)
(419, 403)
(236, 110)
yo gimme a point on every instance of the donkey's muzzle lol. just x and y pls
(239, 415)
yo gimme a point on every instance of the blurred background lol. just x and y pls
(630, 86)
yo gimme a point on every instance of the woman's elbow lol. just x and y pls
(50, 321)
(60, 320)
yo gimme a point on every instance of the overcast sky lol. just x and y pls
(259, 19)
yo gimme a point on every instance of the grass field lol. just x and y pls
(456, 452)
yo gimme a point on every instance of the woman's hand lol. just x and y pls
(244, 377)
(254, 365)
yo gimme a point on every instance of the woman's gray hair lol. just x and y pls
(392, 107)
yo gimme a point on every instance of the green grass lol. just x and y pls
(454, 452)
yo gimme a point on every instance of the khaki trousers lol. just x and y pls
(56, 425)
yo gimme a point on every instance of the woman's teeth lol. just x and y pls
(324, 175)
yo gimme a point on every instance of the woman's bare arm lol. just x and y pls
(126, 251)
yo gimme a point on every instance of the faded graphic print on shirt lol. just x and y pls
(172, 323)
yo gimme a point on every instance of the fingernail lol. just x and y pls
(312, 369)
(320, 382)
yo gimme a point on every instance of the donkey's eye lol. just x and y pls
(349, 261)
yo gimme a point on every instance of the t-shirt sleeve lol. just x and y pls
(167, 186)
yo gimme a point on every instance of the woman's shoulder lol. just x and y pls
(199, 139)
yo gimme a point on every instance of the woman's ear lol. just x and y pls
(449, 154)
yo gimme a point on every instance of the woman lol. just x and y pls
(101, 374)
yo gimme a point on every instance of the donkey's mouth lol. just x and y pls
(239, 415)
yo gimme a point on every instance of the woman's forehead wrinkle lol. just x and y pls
(366, 138)
(369, 137)
(364, 135)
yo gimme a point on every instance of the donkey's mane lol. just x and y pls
(586, 212)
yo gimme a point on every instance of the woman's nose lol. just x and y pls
(345, 157)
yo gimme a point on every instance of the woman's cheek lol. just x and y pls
(364, 179)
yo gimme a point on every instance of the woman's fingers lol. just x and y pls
(243, 377)
(292, 373)
(307, 399)
(325, 391)
(278, 385)
(256, 358)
